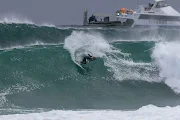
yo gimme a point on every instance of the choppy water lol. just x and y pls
(137, 72)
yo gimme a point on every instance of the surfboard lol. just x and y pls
(78, 64)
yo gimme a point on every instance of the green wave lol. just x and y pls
(43, 75)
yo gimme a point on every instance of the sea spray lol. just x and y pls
(167, 57)
(37, 71)
(85, 42)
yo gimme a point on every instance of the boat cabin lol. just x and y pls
(156, 4)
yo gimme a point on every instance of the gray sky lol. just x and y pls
(61, 12)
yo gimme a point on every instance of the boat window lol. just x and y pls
(161, 4)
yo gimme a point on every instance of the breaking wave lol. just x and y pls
(133, 69)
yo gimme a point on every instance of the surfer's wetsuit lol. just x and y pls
(89, 57)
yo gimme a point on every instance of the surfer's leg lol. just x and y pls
(84, 60)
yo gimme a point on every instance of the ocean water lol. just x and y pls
(136, 74)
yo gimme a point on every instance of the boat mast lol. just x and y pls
(85, 16)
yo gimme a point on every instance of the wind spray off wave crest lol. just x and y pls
(12, 18)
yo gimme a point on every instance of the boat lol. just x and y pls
(157, 14)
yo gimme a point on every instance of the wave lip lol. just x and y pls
(18, 19)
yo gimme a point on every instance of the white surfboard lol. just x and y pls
(79, 65)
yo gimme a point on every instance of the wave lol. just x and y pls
(37, 63)
(12, 18)
(23, 35)
(167, 58)
(50, 69)
(114, 58)
(146, 112)
(123, 66)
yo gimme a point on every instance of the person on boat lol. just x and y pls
(150, 5)
(92, 19)
(89, 57)
(123, 10)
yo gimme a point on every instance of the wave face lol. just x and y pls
(134, 68)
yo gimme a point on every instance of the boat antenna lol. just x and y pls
(92, 10)
(137, 2)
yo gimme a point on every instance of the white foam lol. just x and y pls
(12, 47)
(20, 88)
(149, 112)
(3, 100)
(48, 24)
(152, 38)
(167, 58)
(91, 42)
(129, 70)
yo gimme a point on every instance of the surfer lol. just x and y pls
(89, 57)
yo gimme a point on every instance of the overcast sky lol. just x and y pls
(61, 12)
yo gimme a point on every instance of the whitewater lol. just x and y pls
(136, 74)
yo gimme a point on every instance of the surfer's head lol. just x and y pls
(94, 58)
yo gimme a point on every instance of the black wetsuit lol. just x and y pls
(89, 57)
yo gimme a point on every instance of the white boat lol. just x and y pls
(157, 14)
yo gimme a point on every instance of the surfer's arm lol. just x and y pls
(89, 55)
